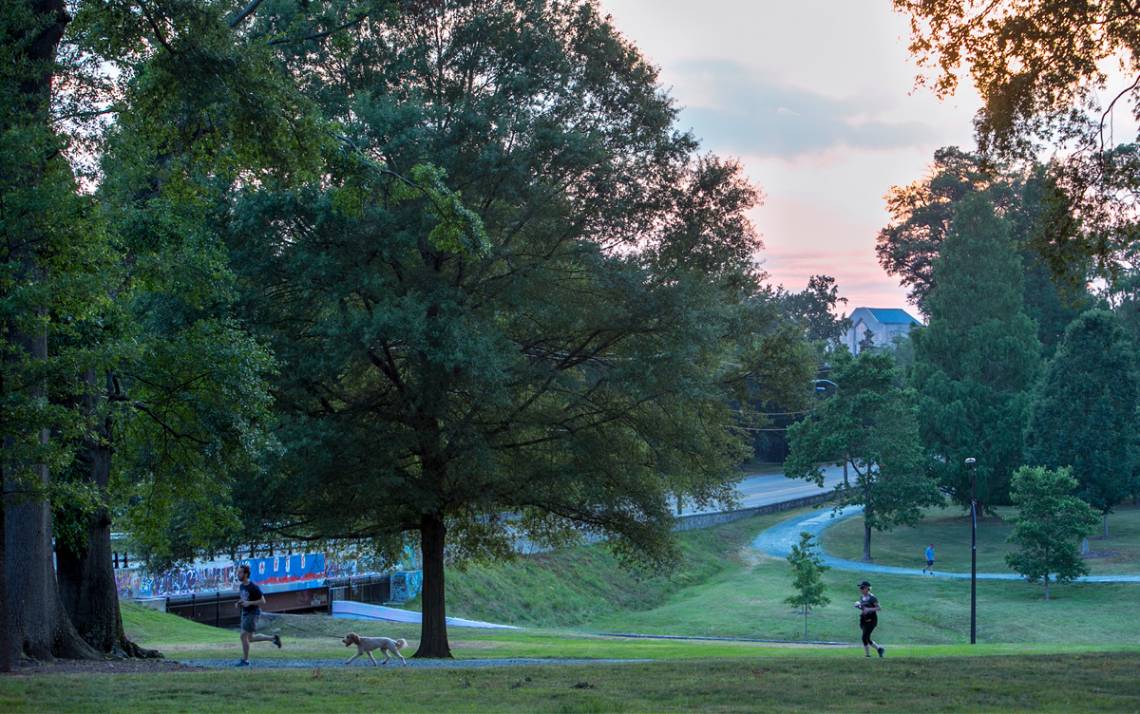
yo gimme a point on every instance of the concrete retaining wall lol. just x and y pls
(707, 520)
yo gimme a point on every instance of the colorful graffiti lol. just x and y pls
(406, 584)
(278, 570)
(288, 568)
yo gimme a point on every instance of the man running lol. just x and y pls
(250, 601)
(929, 553)
(868, 606)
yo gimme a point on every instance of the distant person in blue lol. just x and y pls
(929, 553)
(868, 606)
(250, 600)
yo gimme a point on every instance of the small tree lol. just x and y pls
(808, 570)
(870, 425)
(1050, 522)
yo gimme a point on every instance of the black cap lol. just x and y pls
(864, 584)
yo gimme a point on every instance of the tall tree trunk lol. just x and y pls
(433, 622)
(7, 648)
(1104, 521)
(37, 621)
(87, 574)
(1046, 579)
(868, 510)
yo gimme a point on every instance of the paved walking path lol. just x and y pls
(280, 663)
(352, 610)
(778, 540)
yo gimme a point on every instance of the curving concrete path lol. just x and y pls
(778, 540)
(352, 610)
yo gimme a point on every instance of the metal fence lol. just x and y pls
(375, 589)
(211, 608)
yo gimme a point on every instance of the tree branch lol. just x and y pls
(157, 32)
(166, 427)
(321, 35)
(1108, 110)
(245, 12)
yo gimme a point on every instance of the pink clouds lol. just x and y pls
(815, 99)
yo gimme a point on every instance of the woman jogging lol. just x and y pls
(868, 606)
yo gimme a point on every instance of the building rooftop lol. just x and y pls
(892, 316)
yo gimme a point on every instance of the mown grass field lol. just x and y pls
(1077, 683)
(949, 530)
(1078, 652)
(727, 589)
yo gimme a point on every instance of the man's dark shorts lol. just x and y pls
(249, 620)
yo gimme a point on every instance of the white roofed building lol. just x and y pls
(883, 323)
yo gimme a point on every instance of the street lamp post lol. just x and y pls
(972, 464)
(821, 389)
(820, 382)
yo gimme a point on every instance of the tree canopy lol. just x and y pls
(518, 300)
(1083, 414)
(977, 358)
(1049, 524)
(1050, 74)
(869, 423)
(1037, 213)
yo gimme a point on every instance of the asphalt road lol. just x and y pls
(765, 489)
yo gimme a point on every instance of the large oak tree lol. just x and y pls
(518, 301)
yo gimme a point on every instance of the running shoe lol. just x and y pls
(277, 641)
(242, 663)
(882, 650)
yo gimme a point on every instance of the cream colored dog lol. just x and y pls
(368, 645)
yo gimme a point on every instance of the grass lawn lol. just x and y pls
(727, 589)
(949, 530)
(1091, 682)
(1077, 652)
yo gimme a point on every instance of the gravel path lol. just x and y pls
(276, 663)
(778, 540)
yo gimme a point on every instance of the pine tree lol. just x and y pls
(1083, 414)
(977, 358)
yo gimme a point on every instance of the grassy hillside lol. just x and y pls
(725, 589)
(949, 530)
(579, 585)
(1084, 639)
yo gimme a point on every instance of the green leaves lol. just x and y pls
(516, 287)
(977, 358)
(1083, 414)
(457, 228)
(808, 569)
(1050, 522)
(869, 423)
